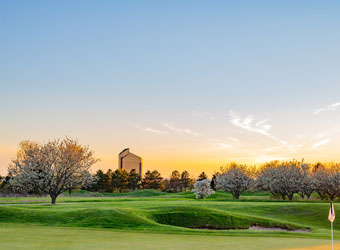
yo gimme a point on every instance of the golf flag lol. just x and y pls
(331, 215)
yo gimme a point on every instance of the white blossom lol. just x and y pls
(202, 189)
(52, 167)
(234, 178)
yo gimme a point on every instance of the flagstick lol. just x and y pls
(332, 234)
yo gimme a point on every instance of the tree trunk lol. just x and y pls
(70, 192)
(283, 196)
(290, 196)
(54, 198)
(322, 196)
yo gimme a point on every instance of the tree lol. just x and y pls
(307, 183)
(52, 167)
(319, 174)
(4, 185)
(327, 181)
(4, 181)
(120, 180)
(152, 180)
(202, 176)
(108, 184)
(283, 179)
(234, 178)
(267, 179)
(175, 181)
(185, 180)
(213, 182)
(202, 189)
(133, 180)
(87, 178)
(165, 186)
(102, 182)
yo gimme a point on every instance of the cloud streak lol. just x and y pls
(149, 129)
(224, 145)
(179, 130)
(333, 106)
(261, 127)
(320, 143)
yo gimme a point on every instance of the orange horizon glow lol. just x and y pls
(165, 161)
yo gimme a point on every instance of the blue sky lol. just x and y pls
(172, 80)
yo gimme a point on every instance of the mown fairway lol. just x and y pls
(35, 237)
(152, 220)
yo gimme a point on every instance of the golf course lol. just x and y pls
(149, 219)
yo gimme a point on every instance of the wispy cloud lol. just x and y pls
(320, 143)
(246, 123)
(154, 130)
(224, 145)
(148, 129)
(328, 108)
(261, 127)
(179, 130)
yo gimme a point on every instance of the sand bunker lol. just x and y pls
(279, 229)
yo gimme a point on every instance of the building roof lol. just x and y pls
(127, 149)
(128, 153)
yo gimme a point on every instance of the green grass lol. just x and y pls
(148, 212)
(85, 196)
(37, 237)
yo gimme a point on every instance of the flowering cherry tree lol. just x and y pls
(51, 168)
(235, 179)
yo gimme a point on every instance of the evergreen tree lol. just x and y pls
(101, 185)
(213, 183)
(152, 180)
(120, 180)
(202, 176)
(133, 180)
(175, 181)
(185, 180)
(108, 181)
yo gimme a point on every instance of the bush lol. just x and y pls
(202, 189)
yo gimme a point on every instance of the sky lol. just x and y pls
(186, 85)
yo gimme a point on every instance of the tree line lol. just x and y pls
(59, 166)
(121, 180)
(282, 179)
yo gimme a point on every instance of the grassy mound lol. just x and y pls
(89, 217)
(186, 216)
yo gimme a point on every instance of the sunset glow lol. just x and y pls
(187, 90)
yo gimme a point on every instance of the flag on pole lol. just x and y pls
(331, 215)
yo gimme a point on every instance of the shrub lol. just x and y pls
(202, 189)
